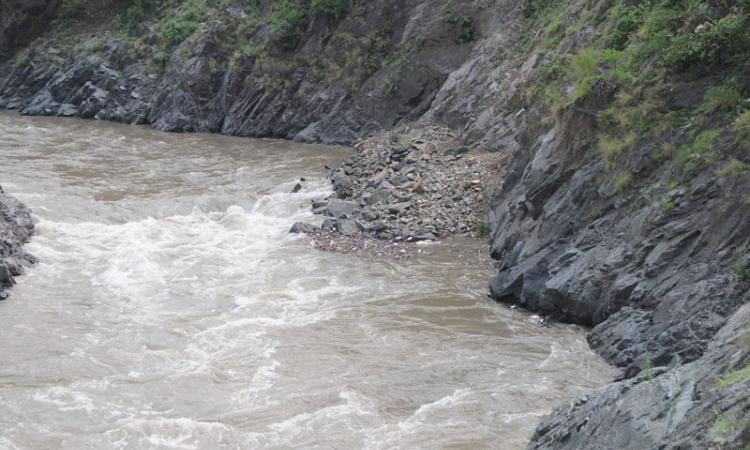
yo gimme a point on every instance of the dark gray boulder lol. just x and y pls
(16, 228)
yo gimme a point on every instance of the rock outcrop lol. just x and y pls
(16, 228)
(700, 405)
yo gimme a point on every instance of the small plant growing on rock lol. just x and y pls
(725, 98)
(624, 179)
(742, 126)
(667, 207)
(584, 67)
(647, 367)
(481, 229)
(742, 264)
(393, 81)
(463, 27)
(405, 141)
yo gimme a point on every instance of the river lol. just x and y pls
(171, 309)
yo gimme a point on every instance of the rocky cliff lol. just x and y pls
(626, 199)
(282, 69)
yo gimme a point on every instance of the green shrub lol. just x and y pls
(724, 43)
(629, 20)
(287, 20)
(623, 180)
(741, 265)
(584, 64)
(734, 167)
(72, 9)
(178, 28)
(138, 13)
(584, 67)
(689, 158)
(335, 8)
(612, 147)
(742, 126)
(393, 81)
(463, 27)
(667, 207)
(481, 229)
(725, 98)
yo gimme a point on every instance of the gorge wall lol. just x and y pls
(626, 201)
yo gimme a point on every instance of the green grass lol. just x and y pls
(139, 12)
(721, 425)
(643, 50)
(723, 98)
(393, 80)
(742, 126)
(287, 20)
(667, 207)
(689, 158)
(182, 25)
(336, 8)
(734, 377)
(733, 168)
(612, 147)
(647, 368)
(623, 180)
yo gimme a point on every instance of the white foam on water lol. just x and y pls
(171, 309)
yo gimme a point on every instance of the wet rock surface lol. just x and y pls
(700, 405)
(16, 228)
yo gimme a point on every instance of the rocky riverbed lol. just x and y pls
(16, 228)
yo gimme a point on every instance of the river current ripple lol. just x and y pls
(172, 310)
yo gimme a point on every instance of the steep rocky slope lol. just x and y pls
(248, 68)
(626, 201)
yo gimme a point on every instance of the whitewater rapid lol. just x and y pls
(172, 309)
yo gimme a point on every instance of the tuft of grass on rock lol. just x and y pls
(481, 229)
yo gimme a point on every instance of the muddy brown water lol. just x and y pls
(171, 309)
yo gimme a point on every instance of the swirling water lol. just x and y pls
(171, 309)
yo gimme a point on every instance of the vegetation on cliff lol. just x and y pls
(669, 73)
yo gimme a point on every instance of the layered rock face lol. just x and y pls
(700, 405)
(603, 219)
(380, 65)
(16, 228)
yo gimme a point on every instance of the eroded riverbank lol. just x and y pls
(171, 308)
